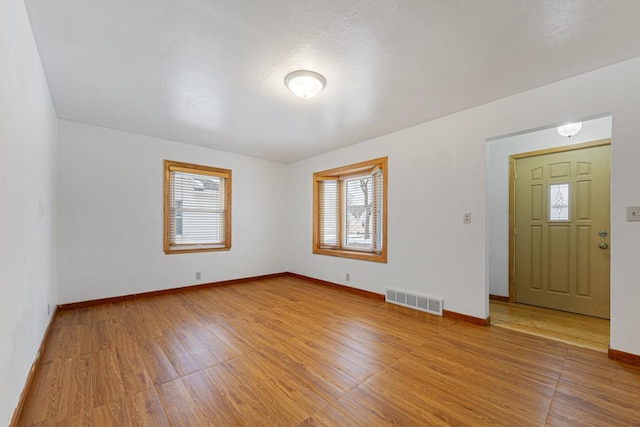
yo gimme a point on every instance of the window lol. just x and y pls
(197, 208)
(350, 211)
(559, 202)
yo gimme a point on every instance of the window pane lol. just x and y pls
(559, 202)
(199, 206)
(358, 213)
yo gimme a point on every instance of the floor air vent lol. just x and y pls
(419, 302)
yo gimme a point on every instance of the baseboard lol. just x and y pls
(623, 356)
(361, 292)
(81, 304)
(498, 298)
(466, 318)
(32, 372)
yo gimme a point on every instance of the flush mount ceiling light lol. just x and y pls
(305, 84)
(570, 129)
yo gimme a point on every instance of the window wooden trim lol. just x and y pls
(342, 173)
(171, 166)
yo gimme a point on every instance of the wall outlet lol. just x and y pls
(198, 275)
(633, 213)
(466, 218)
(348, 277)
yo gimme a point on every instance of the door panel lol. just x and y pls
(558, 259)
(536, 257)
(583, 278)
(561, 204)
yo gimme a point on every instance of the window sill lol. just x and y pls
(364, 256)
(187, 251)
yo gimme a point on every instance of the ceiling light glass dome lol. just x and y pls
(304, 83)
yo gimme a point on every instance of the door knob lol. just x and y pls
(603, 245)
(602, 233)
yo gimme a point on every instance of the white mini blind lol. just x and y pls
(377, 181)
(198, 208)
(329, 213)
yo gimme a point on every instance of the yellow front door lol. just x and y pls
(561, 234)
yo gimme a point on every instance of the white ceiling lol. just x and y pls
(211, 72)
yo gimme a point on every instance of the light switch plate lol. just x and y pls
(633, 213)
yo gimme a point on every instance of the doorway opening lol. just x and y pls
(577, 329)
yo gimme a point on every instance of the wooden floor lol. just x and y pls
(288, 352)
(582, 331)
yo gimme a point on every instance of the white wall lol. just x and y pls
(27, 203)
(430, 250)
(437, 171)
(498, 152)
(111, 215)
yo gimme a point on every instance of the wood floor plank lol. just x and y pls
(133, 371)
(105, 381)
(158, 366)
(210, 399)
(284, 351)
(323, 365)
(42, 406)
(145, 409)
(288, 412)
(287, 383)
(255, 335)
(72, 341)
(313, 316)
(111, 333)
(199, 351)
(76, 395)
(364, 355)
(111, 414)
(403, 344)
(82, 419)
(501, 360)
(284, 364)
(141, 327)
(520, 400)
(203, 338)
(323, 351)
(234, 341)
(248, 406)
(394, 411)
(577, 393)
(343, 412)
(58, 343)
(360, 340)
(523, 353)
(185, 360)
(179, 405)
(431, 411)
